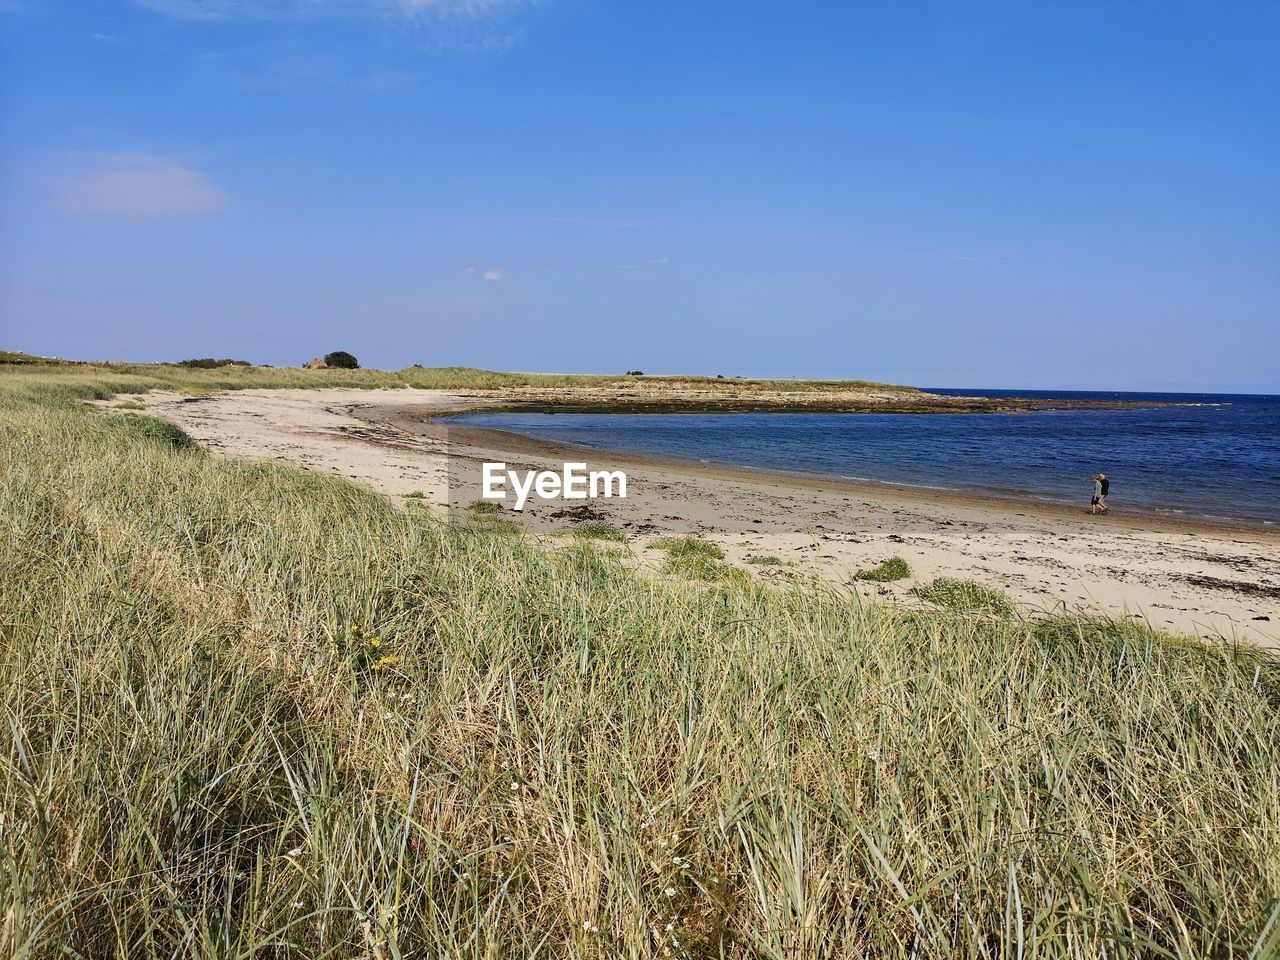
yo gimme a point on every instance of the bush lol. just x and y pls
(342, 360)
(966, 595)
(635, 373)
(895, 568)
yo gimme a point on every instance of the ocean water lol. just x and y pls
(1211, 456)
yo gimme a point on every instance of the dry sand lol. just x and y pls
(1188, 578)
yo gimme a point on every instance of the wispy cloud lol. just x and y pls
(495, 273)
(136, 186)
(291, 9)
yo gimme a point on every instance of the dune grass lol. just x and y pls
(597, 530)
(256, 712)
(139, 377)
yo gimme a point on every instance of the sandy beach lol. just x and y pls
(1184, 577)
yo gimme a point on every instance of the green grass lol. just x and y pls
(966, 596)
(766, 561)
(682, 547)
(547, 754)
(415, 495)
(597, 530)
(895, 568)
(485, 508)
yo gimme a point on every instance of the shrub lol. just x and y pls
(966, 595)
(895, 568)
(342, 360)
(635, 373)
(768, 561)
(482, 508)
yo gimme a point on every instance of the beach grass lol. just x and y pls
(252, 711)
(598, 530)
(682, 547)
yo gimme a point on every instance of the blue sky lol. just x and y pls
(973, 194)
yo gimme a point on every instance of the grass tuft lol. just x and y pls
(684, 547)
(895, 568)
(966, 596)
(597, 530)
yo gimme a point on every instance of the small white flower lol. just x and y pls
(670, 927)
(514, 785)
(670, 891)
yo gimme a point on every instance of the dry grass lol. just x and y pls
(256, 712)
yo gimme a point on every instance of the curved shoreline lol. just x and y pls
(434, 423)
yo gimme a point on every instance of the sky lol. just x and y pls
(1077, 195)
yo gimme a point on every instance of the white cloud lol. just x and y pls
(137, 186)
(661, 260)
(288, 9)
(495, 273)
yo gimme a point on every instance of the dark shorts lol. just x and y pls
(1094, 500)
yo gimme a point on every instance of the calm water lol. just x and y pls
(1214, 456)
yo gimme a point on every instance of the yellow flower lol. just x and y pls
(375, 642)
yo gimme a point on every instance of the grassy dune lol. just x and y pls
(255, 712)
(161, 376)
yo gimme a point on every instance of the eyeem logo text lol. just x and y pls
(575, 482)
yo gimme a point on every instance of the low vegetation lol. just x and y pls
(139, 377)
(682, 547)
(598, 530)
(252, 711)
(208, 363)
(895, 568)
(966, 596)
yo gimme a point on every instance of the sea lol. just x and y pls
(1212, 457)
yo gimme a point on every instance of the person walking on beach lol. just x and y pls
(1100, 489)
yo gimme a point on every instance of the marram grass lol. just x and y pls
(255, 712)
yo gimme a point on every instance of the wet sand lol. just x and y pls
(1179, 575)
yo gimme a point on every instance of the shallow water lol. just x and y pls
(1212, 456)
